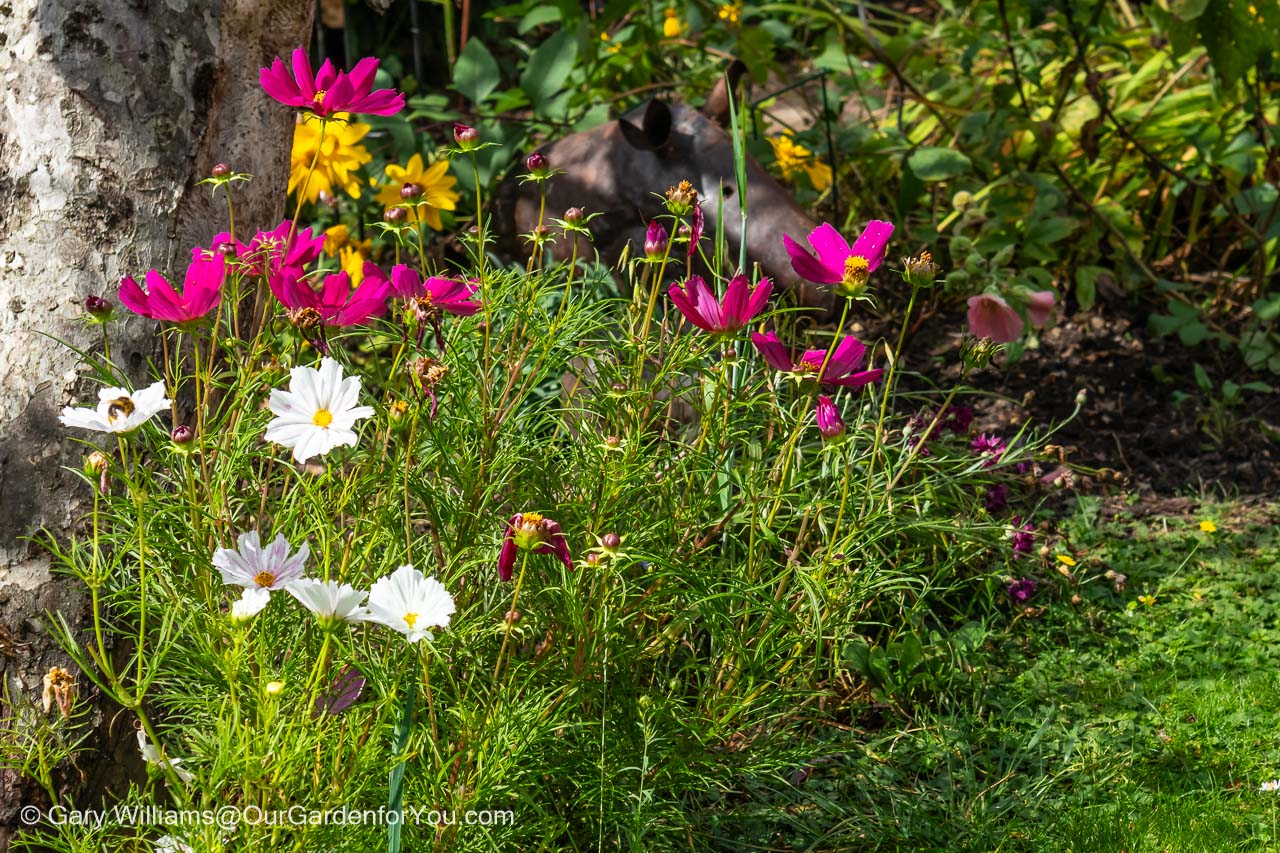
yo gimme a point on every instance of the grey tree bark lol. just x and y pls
(112, 111)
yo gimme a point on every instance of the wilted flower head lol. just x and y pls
(741, 304)
(59, 687)
(828, 417)
(530, 531)
(920, 271)
(118, 409)
(410, 603)
(682, 198)
(201, 292)
(844, 267)
(329, 91)
(843, 368)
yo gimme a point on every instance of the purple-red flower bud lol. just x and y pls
(98, 308)
(574, 216)
(395, 215)
(466, 136)
(538, 166)
(828, 416)
(182, 435)
(220, 171)
(611, 541)
(655, 241)
(410, 191)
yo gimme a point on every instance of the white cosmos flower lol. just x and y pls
(119, 410)
(331, 601)
(250, 604)
(254, 567)
(169, 844)
(152, 754)
(407, 602)
(318, 412)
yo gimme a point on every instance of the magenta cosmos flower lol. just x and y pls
(447, 294)
(699, 306)
(201, 292)
(843, 368)
(329, 91)
(530, 531)
(336, 303)
(845, 267)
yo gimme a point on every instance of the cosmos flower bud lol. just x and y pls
(538, 166)
(99, 309)
(512, 616)
(574, 216)
(829, 422)
(395, 215)
(182, 435)
(465, 136)
(221, 170)
(611, 542)
(655, 241)
(411, 191)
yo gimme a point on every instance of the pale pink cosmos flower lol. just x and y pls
(845, 267)
(698, 303)
(1040, 307)
(201, 292)
(843, 369)
(329, 91)
(991, 317)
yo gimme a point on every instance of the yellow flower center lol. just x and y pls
(855, 269)
(410, 619)
(322, 418)
(531, 519)
(318, 100)
(264, 579)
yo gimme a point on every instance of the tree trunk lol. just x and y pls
(112, 111)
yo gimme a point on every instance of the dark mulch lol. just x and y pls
(1131, 421)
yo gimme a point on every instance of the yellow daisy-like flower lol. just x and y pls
(437, 189)
(1208, 526)
(1066, 560)
(671, 25)
(730, 12)
(338, 236)
(791, 158)
(1147, 599)
(352, 260)
(339, 159)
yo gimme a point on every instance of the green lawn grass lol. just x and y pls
(1143, 719)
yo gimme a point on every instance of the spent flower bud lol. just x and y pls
(920, 271)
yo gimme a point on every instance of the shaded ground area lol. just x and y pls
(1137, 715)
(1145, 415)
